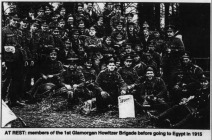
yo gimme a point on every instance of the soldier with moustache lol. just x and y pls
(14, 58)
(110, 85)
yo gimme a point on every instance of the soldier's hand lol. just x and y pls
(32, 63)
(68, 87)
(26, 63)
(75, 86)
(50, 76)
(104, 94)
(3, 64)
(44, 77)
(123, 92)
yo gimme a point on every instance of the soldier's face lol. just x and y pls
(24, 25)
(31, 14)
(205, 84)
(137, 58)
(128, 50)
(129, 18)
(156, 34)
(70, 20)
(150, 75)
(56, 33)
(186, 61)
(100, 21)
(131, 28)
(34, 28)
(72, 66)
(75, 36)
(62, 12)
(62, 24)
(111, 66)
(53, 56)
(146, 33)
(119, 27)
(14, 23)
(128, 63)
(90, 6)
(108, 41)
(80, 9)
(88, 65)
(137, 48)
(92, 32)
(44, 28)
(67, 46)
(41, 13)
(170, 33)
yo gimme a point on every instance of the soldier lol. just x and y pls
(70, 25)
(192, 73)
(45, 41)
(171, 59)
(72, 81)
(63, 31)
(40, 14)
(107, 14)
(57, 39)
(132, 35)
(75, 39)
(127, 51)
(188, 112)
(54, 22)
(50, 71)
(152, 90)
(66, 52)
(146, 38)
(110, 86)
(62, 14)
(90, 77)
(100, 27)
(13, 57)
(127, 72)
(116, 17)
(158, 41)
(92, 43)
(93, 17)
(48, 14)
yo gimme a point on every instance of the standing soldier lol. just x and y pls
(93, 17)
(110, 85)
(107, 14)
(116, 17)
(174, 48)
(57, 39)
(46, 40)
(13, 56)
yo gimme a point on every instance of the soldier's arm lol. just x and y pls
(122, 84)
(98, 82)
(81, 79)
(59, 69)
(162, 88)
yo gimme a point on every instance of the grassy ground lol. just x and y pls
(55, 114)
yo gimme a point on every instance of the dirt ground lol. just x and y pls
(53, 113)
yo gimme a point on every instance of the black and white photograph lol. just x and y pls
(105, 64)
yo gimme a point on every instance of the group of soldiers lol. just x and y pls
(97, 58)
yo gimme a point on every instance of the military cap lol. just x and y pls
(145, 25)
(44, 23)
(92, 28)
(15, 17)
(89, 2)
(68, 41)
(41, 9)
(127, 45)
(170, 28)
(80, 4)
(25, 20)
(52, 49)
(72, 59)
(186, 55)
(70, 15)
(62, 8)
(56, 29)
(75, 32)
(31, 11)
(88, 60)
(149, 68)
(111, 60)
(35, 23)
(62, 20)
(128, 58)
(47, 8)
(117, 4)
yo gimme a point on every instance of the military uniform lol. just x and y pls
(14, 57)
(112, 83)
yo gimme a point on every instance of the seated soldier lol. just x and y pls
(90, 77)
(50, 72)
(127, 72)
(110, 85)
(127, 50)
(151, 90)
(189, 111)
(72, 82)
